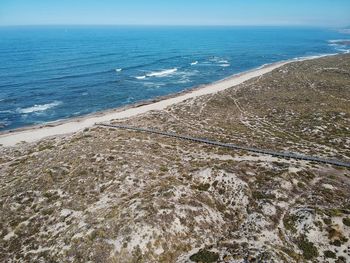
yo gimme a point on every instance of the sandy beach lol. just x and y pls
(35, 133)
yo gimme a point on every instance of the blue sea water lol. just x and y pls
(52, 73)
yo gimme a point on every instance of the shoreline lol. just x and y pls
(71, 125)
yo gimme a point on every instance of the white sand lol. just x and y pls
(74, 125)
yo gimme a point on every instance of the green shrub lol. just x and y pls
(205, 256)
(164, 169)
(260, 195)
(327, 220)
(336, 243)
(301, 185)
(308, 248)
(329, 254)
(346, 221)
(201, 187)
(289, 223)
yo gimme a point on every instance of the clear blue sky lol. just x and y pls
(176, 12)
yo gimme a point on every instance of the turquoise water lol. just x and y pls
(52, 73)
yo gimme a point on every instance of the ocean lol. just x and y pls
(53, 73)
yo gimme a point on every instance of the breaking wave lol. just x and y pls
(223, 61)
(37, 108)
(158, 74)
(337, 41)
(217, 61)
(341, 45)
(4, 124)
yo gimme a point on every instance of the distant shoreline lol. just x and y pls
(34, 133)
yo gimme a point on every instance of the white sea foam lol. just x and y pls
(3, 124)
(183, 81)
(129, 99)
(118, 69)
(220, 62)
(159, 74)
(338, 40)
(263, 65)
(339, 45)
(185, 76)
(38, 108)
(346, 51)
(162, 73)
(194, 63)
(223, 61)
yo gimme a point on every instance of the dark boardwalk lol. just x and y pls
(285, 155)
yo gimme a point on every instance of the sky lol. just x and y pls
(329, 13)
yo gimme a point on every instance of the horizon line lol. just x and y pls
(179, 25)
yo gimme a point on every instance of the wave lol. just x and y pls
(158, 74)
(341, 45)
(4, 124)
(6, 111)
(183, 81)
(339, 41)
(217, 61)
(194, 63)
(37, 108)
(345, 51)
(129, 99)
(118, 69)
(162, 73)
(150, 84)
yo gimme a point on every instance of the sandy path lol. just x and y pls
(74, 125)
